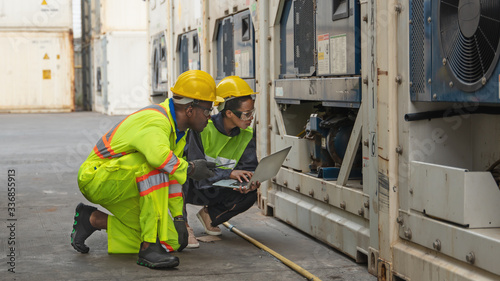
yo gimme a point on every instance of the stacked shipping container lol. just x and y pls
(115, 62)
(36, 40)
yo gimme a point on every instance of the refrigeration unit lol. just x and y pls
(317, 95)
(159, 64)
(188, 51)
(454, 51)
(235, 41)
(319, 89)
(449, 195)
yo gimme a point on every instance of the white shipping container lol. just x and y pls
(116, 15)
(120, 73)
(37, 73)
(36, 14)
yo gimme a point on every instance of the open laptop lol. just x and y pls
(268, 167)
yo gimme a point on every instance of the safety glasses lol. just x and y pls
(206, 110)
(244, 115)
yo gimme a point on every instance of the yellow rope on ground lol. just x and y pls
(284, 260)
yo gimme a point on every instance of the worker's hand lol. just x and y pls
(180, 226)
(200, 169)
(244, 190)
(240, 175)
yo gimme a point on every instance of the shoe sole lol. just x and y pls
(149, 264)
(205, 227)
(193, 246)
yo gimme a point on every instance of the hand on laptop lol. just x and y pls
(253, 186)
(241, 175)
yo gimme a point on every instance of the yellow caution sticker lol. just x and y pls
(46, 74)
(46, 57)
(58, 56)
(44, 2)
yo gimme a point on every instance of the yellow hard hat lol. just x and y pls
(233, 87)
(196, 84)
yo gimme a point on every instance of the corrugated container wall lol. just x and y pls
(36, 40)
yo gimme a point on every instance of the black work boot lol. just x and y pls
(156, 257)
(82, 228)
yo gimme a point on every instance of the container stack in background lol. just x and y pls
(37, 66)
(114, 56)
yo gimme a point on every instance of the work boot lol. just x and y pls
(82, 228)
(206, 221)
(154, 256)
(192, 242)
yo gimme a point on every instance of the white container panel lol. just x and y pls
(99, 81)
(115, 15)
(127, 72)
(37, 73)
(158, 16)
(187, 15)
(36, 14)
(123, 58)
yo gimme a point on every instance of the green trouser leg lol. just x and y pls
(135, 218)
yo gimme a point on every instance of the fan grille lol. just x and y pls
(471, 52)
(417, 51)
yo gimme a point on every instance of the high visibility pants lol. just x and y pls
(139, 197)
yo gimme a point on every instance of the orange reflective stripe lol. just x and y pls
(152, 173)
(175, 167)
(116, 127)
(172, 195)
(103, 147)
(169, 156)
(153, 188)
(155, 180)
(96, 151)
(166, 246)
(171, 163)
(108, 146)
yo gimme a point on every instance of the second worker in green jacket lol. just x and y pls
(229, 141)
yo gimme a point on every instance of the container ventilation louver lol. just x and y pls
(469, 40)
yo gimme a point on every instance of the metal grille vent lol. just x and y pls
(227, 47)
(184, 54)
(304, 36)
(417, 65)
(469, 40)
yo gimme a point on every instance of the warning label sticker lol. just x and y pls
(46, 57)
(53, 7)
(323, 54)
(245, 64)
(338, 61)
(46, 74)
(237, 63)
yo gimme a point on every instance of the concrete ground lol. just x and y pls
(42, 154)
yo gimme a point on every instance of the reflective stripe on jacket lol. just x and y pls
(151, 132)
(223, 149)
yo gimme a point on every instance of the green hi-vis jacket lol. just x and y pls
(142, 152)
(223, 149)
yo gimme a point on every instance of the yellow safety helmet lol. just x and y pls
(233, 87)
(196, 84)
